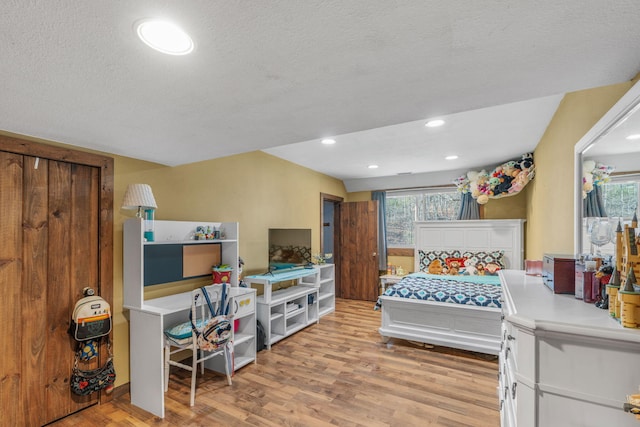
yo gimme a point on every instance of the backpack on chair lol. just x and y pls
(216, 331)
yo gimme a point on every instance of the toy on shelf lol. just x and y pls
(624, 298)
(221, 273)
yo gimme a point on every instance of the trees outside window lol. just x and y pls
(406, 207)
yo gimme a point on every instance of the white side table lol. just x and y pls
(388, 280)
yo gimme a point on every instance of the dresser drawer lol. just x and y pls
(244, 305)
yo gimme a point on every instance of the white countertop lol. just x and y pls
(529, 303)
(178, 302)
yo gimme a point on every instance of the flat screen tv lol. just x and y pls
(289, 248)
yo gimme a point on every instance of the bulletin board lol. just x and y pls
(172, 263)
(197, 260)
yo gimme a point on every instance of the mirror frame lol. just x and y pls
(625, 107)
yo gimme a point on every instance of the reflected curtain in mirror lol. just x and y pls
(381, 197)
(593, 205)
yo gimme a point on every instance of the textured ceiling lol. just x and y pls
(267, 74)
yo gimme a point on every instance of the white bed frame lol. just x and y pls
(454, 325)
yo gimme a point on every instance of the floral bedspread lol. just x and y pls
(483, 291)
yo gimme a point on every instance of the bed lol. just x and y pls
(447, 318)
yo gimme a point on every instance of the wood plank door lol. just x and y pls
(50, 220)
(358, 253)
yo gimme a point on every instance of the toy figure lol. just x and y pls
(492, 268)
(435, 267)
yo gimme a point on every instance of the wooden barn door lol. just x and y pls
(358, 254)
(50, 234)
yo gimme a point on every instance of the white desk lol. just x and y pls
(147, 325)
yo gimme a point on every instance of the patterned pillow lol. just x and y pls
(496, 257)
(427, 257)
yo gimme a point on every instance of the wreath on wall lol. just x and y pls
(508, 179)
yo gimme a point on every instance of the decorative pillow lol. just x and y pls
(481, 263)
(181, 331)
(427, 257)
(486, 257)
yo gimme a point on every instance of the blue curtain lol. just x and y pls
(469, 208)
(593, 205)
(381, 197)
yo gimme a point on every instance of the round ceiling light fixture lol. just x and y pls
(164, 37)
(434, 123)
(373, 166)
(633, 137)
(452, 157)
(328, 141)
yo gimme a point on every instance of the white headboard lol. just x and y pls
(474, 235)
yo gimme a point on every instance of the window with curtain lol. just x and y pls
(404, 207)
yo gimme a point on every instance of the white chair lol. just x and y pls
(200, 314)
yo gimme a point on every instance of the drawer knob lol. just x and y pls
(511, 337)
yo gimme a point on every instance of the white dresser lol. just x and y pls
(563, 362)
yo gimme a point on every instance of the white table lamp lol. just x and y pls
(140, 197)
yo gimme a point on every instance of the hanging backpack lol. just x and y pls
(91, 318)
(216, 332)
(260, 336)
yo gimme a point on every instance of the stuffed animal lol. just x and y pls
(519, 182)
(435, 267)
(454, 267)
(469, 268)
(526, 162)
(492, 268)
(480, 268)
(504, 186)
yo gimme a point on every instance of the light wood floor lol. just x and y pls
(338, 373)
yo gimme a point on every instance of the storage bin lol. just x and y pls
(221, 276)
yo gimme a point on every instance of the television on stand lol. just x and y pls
(289, 248)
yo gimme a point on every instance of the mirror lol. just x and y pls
(606, 143)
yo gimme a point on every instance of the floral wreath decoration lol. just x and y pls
(508, 179)
(594, 174)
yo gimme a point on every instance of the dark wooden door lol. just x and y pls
(358, 254)
(50, 220)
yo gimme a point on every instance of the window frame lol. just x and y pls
(623, 178)
(403, 249)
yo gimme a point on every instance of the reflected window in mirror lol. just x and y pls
(620, 197)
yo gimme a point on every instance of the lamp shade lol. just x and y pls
(139, 196)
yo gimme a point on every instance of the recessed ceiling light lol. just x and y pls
(373, 166)
(434, 123)
(453, 157)
(164, 37)
(328, 141)
(633, 137)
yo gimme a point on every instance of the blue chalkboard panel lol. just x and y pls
(165, 263)
(162, 264)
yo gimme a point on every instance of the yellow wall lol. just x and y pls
(256, 189)
(359, 196)
(261, 191)
(549, 205)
